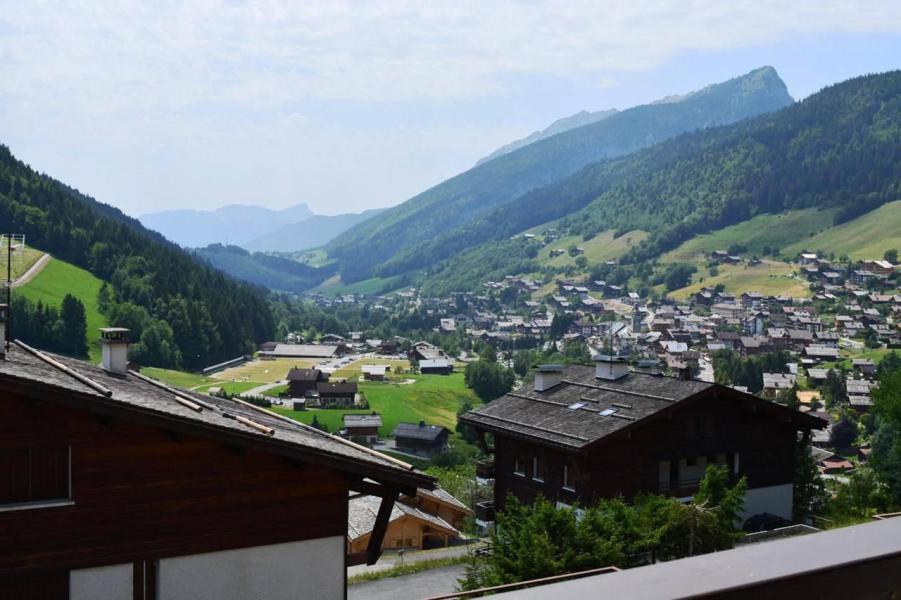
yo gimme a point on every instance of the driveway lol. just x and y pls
(425, 584)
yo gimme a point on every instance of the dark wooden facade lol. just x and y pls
(141, 493)
(301, 381)
(712, 429)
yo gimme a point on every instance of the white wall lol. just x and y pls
(311, 570)
(776, 500)
(102, 583)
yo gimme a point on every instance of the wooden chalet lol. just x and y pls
(420, 438)
(337, 394)
(362, 429)
(409, 527)
(583, 433)
(302, 381)
(117, 486)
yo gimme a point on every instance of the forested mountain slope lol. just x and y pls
(273, 272)
(838, 148)
(392, 242)
(195, 315)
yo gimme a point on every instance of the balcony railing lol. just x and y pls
(682, 485)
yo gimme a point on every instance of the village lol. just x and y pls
(819, 354)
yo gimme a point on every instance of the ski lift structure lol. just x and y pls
(12, 258)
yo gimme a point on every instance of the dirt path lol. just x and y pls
(31, 273)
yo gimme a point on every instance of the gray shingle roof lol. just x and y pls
(132, 393)
(418, 431)
(583, 409)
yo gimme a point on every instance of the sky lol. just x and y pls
(160, 105)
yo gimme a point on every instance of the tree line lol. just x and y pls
(212, 317)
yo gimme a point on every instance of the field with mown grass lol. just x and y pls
(432, 398)
(600, 248)
(769, 277)
(264, 371)
(59, 278)
(355, 369)
(866, 237)
(780, 231)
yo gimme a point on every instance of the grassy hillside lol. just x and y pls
(779, 231)
(769, 277)
(602, 247)
(432, 398)
(868, 236)
(59, 278)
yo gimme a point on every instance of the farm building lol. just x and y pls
(374, 372)
(436, 366)
(118, 486)
(303, 351)
(584, 433)
(420, 438)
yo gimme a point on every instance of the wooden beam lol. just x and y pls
(374, 549)
(357, 558)
(378, 489)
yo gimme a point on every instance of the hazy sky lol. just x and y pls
(157, 105)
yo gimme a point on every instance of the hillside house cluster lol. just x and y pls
(312, 388)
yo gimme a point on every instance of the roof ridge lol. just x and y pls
(621, 391)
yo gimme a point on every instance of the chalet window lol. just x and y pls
(569, 480)
(35, 474)
(519, 467)
(537, 469)
(691, 461)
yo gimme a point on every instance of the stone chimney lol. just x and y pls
(114, 343)
(610, 367)
(548, 376)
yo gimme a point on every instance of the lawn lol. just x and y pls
(769, 277)
(780, 231)
(354, 369)
(867, 236)
(600, 248)
(177, 378)
(59, 278)
(432, 398)
(264, 371)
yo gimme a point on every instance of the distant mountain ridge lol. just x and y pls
(253, 227)
(308, 233)
(559, 126)
(236, 223)
(414, 234)
(836, 149)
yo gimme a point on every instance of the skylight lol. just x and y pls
(576, 406)
(607, 412)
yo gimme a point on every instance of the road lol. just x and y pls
(390, 558)
(32, 272)
(425, 584)
(261, 389)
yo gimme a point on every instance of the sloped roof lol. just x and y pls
(583, 410)
(302, 350)
(142, 399)
(418, 431)
(362, 512)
